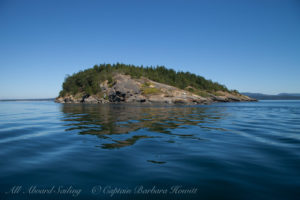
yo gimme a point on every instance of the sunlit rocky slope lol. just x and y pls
(123, 83)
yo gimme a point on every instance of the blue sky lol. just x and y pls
(252, 46)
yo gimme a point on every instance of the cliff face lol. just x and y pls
(125, 89)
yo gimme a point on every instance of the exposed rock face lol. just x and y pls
(125, 89)
(91, 99)
(85, 99)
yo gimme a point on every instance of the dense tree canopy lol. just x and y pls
(88, 81)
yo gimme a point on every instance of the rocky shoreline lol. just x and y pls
(124, 89)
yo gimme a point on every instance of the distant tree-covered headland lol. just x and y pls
(88, 81)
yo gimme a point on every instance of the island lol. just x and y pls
(121, 83)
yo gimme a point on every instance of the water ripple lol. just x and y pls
(221, 148)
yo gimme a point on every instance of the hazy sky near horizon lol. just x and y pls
(248, 45)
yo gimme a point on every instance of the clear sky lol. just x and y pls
(248, 45)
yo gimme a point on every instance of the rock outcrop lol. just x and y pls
(123, 88)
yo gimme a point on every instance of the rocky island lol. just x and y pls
(137, 84)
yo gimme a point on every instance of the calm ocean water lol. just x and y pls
(219, 151)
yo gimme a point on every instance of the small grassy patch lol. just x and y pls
(217, 93)
(202, 93)
(190, 89)
(148, 90)
(146, 84)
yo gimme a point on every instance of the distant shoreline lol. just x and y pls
(281, 96)
(48, 99)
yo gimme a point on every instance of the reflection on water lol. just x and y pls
(245, 150)
(109, 121)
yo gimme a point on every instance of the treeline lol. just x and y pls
(88, 81)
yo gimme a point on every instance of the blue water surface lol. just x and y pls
(248, 150)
